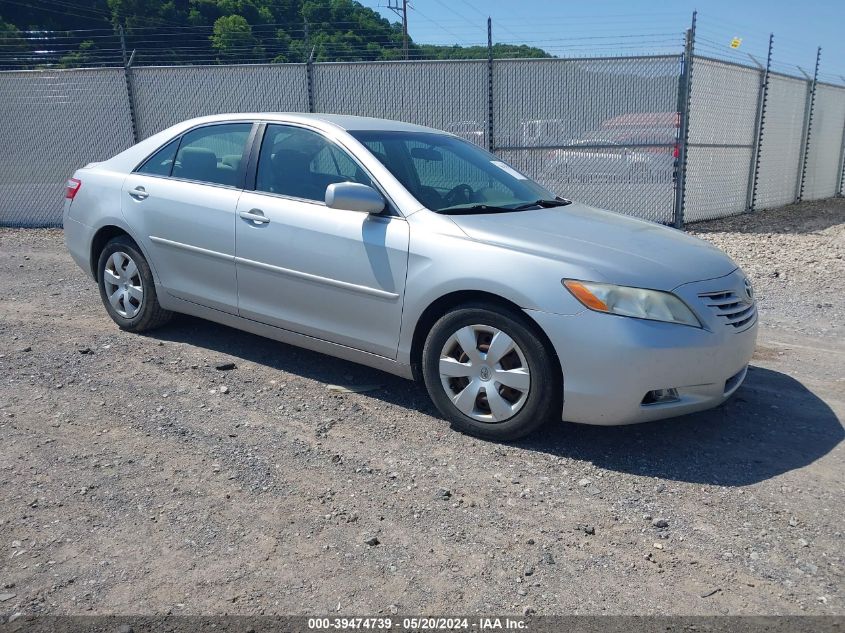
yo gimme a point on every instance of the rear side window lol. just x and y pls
(160, 163)
(212, 154)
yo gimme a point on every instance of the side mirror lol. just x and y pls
(351, 196)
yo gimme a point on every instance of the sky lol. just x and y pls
(620, 27)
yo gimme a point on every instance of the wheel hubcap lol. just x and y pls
(122, 282)
(484, 373)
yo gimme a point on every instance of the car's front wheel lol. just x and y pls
(127, 287)
(489, 373)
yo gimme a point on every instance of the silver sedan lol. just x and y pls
(413, 251)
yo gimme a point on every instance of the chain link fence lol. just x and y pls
(724, 101)
(447, 95)
(167, 95)
(603, 131)
(780, 158)
(52, 122)
(600, 131)
(824, 146)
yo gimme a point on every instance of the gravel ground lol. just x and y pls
(136, 477)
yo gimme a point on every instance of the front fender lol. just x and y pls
(444, 260)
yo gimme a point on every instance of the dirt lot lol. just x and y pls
(131, 481)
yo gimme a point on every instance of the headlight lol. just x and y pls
(638, 303)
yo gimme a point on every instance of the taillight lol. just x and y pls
(676, 151)
(72, 187)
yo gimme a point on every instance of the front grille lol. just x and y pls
(736, 311)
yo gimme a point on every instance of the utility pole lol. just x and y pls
(402, 12)
(405, 28)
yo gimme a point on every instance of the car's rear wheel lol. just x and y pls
(490, 374)
(127, 287)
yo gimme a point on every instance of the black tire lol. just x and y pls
(544, 400)
(150, 315)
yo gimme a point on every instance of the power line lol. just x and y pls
(497, 25)
(436, 25)
(172, 43)
(30, 6)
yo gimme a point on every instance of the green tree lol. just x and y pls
(500, 51)
(343, 30)
(148, 14)
(14, 51)
(11, 37)
(26, 15)
(233, 39)
(229, 31)
(289, 48)
(86, 54)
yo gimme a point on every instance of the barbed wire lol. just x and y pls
(593, 35)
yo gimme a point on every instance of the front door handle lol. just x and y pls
(139, 193)
(255, 215)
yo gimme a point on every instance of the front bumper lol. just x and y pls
(610, 363)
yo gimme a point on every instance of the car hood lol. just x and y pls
(602, 246)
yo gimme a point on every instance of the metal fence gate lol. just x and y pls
(723, 109)
(603, 131)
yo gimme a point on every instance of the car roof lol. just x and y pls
(128, 159)
(343, 121)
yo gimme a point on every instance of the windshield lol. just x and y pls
(450, 175)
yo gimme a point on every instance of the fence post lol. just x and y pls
(754, 176)
(490, 144)
(808, 128)
(130, 91)
(840, 179)
(309, 80)
(684, 86)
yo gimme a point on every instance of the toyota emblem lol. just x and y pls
(749, 290)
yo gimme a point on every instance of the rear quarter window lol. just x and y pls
(160, 163)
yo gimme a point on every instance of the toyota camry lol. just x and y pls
(418, 253)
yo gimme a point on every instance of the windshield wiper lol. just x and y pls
(545, 204)
(486, 208)
(476, 208)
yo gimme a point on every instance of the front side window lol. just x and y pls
(299, 163)
(212, 154)
(449, 174)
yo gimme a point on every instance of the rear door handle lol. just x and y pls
(139, 193)
(255, 215)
